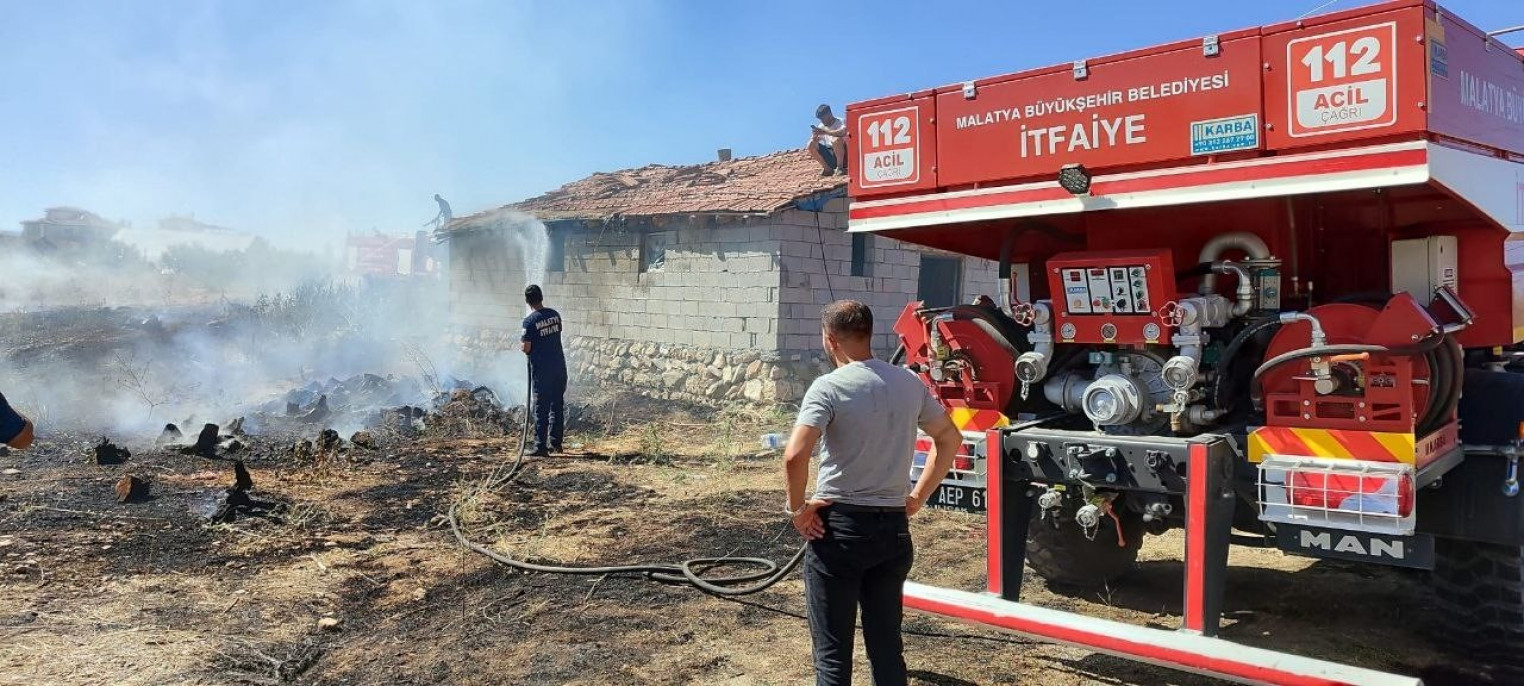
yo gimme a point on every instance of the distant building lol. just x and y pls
(68, 228)
(177, 230)
(391, 255)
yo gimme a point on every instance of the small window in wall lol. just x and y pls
(941, 281)
(862, 255)
(555, 257)
(653, 252)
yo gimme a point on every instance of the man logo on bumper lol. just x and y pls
(1416, 551)
(1354, 546)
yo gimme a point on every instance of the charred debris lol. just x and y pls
(375, 411)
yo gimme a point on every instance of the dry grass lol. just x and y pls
(363, 545)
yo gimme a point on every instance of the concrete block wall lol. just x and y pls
(486, 283)
(816, 267)
(718, 288)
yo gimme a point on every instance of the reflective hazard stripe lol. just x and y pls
(1336, 444)
(970, 419)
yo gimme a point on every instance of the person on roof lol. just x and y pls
(828, 142)
(442, 219)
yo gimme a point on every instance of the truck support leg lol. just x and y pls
(1209, 501)
(1006, 526)
(1207, 489)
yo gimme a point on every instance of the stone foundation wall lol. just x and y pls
(702, 376)
(691, 374)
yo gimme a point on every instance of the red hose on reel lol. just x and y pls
(1406, 385)
(961, 354)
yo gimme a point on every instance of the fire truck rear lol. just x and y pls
(1266, 286)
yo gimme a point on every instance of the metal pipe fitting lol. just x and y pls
(1322, 368)
(1245, 291)
(1113, 400)
(1249, 243)
(1201, 415)
(1067, 391)
(1180, 372)
(1319, 339)
(1088, 516)
(1032, 367)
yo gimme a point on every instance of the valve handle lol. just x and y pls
(1024, 314)
(1171, 314)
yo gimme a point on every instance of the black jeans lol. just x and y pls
(863, 558)
(549, 409)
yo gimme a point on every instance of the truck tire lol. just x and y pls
(1491, 407)
(1065, 556)
(1479, 587)
(1480, 592)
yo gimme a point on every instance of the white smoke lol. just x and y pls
(525, 253)
(31, 281)
(532, 241)
(128, 347)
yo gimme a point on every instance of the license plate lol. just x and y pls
(1415, 551)
(956, 497)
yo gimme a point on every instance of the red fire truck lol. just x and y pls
(1276, 285)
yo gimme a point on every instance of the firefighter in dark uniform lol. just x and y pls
(547, 365)
(15, 430)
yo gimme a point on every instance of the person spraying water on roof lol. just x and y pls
(442, 219)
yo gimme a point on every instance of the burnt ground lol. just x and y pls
(95, 592)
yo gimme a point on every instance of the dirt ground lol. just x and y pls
(95, 592)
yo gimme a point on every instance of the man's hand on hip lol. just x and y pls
(912, 505)
(808, 523)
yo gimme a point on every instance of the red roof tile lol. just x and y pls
(762, 184)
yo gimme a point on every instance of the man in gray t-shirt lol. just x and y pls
(868, 411)
(857, 522)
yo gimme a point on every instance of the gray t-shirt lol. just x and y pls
(868, 412)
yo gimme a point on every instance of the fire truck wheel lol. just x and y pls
(1066, 556)
(1480, 593)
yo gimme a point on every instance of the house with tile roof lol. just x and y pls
(702, 282)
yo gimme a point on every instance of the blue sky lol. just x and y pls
(299, 120)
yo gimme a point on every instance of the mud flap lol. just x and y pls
(1470, 504)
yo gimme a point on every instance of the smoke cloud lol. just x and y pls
(107, 340)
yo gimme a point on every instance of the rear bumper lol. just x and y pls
(1173, 649)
